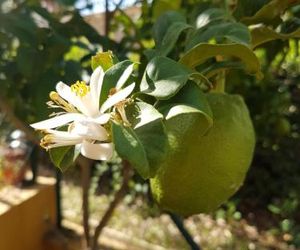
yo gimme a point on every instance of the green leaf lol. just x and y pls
(234, 32)
(130, 148)
(248, 8)
(3, 38)
(148, 126)
(263, 34)
(200, 79)
(217, 67)
(64, 157)
(40, 90)
(212, 15)
(111, 77)
(162, 6)
(164, 22)
(274, 209)
(163, 78)
(268, 12)
(104, 59)
(28, 69)
(200, 53)
(188, 106)
(150, 54)
(72, 71)
(165, 46)
(20, 25)
(144, 144)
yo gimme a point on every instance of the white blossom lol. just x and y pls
(83, 117)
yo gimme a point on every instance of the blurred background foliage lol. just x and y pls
(43, 42)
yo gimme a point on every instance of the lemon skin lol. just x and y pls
(202, 172)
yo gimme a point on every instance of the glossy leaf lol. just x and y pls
(111, 77)
(200, 79)
(162, 6)
(268, 12)
(164, 22)
(217, 67)
(144, 144)
(212, 15)
(165, 46)
(163, 78)
(148, 126)
(233, 32)
(248, 8)
(200, 53)
(64, 157)
(263, 34)
(189, 105)
(130, 148)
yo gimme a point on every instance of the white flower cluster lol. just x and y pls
(84, 118)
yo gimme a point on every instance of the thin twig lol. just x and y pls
(107, 17)
(110, 14)
(127, 174)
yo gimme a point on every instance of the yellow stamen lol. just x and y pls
(54, 96)
(120, 110)
(46, 141)
(80, 88)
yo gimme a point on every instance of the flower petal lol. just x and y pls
(92, 107)
(56, 138)
(83, 104)
(65, 135)
(57, 121)
(117, 97)
(124, 77)
(60, 144)
(96, 85)
(102, 119)
(102, 151)
(89, 130)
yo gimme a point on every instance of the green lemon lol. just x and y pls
(202, 172)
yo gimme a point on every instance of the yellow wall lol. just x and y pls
(23, 225)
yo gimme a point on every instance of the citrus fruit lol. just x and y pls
(202, 172)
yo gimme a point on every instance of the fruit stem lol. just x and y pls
(220, 79)
(220, 82)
